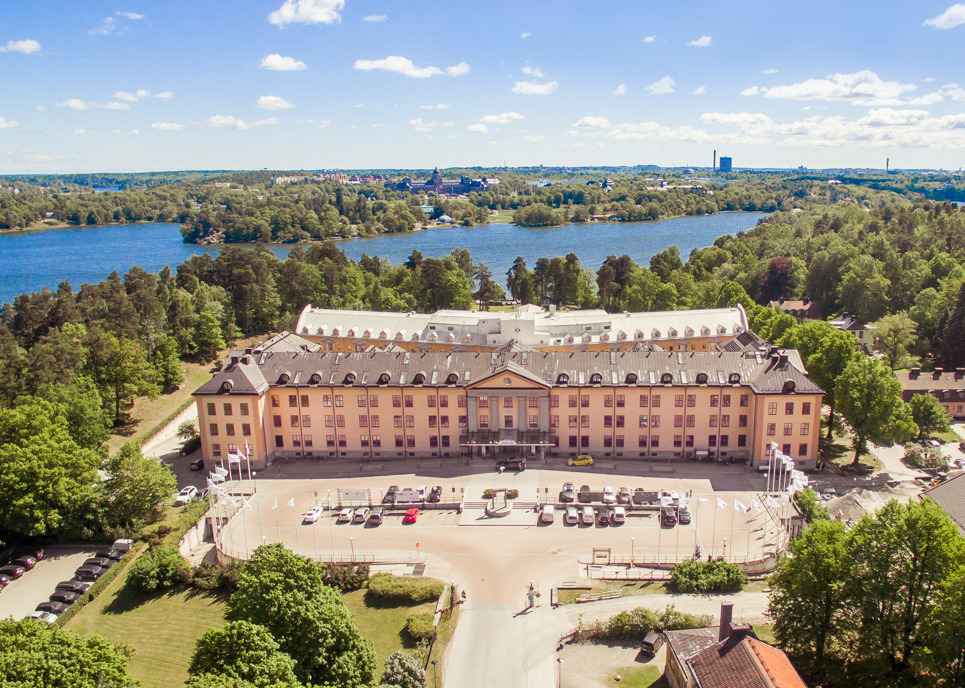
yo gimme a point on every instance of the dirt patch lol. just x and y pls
(596, 665)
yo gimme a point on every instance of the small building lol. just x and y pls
(948, 386)
(950, 496)
(849, 323)
(445, 219)
(726, 163)
(727, 656)
(802, 309)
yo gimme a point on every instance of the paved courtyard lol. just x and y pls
(22, 596)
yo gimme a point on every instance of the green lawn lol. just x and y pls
(501, 215)
(765, 632)
(382, 625)
(637, 677)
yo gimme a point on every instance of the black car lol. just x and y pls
(568, 493)
(52, 607)
(64, 596)
(88, 573)
(112, 554)
(435, 494)
(74, 586)
(603, 517)
(103, 562)
(517, 465)
(12, 570)
(584, 494)
(25, 560)
(196, 464)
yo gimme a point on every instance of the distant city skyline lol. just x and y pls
(308, 84)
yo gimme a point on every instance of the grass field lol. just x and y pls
(637, 677)
(382, 625)
(501, 215)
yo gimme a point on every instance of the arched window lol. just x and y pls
(734, 378)
(655, 333)
(284, 378)
(788, 387)
(452, 379)
(672, 332)
(226, 387)
(596, 379)
(701, 378)
(349, 378)
(562, 379)
(315, 379)
(419, 379)
(384, 378)
(666, 379)
(631, 378)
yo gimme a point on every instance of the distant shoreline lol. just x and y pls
(46, 226)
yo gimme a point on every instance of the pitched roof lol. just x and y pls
(934, 380)
(950, 496)
(742, 661)
(688, 642)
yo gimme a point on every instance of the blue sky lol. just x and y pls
(97, 86)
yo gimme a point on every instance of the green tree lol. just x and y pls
(13, 366)
(863, 289)
(87, 421)
(33, 654)
(403, 670)
(489, 290)
(46, 478)
(243, 651)
(666, 262)
(167, 363)
(869, 397)
(135, 488)
(208, 339)
(121, 371)
(810, 506)
(284, 593)
(161, 568)
(807, 600)
(945, 631)
(929, 415)
(519, 280)
(953, 333)
(894, 336)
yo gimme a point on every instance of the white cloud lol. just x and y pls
(406, 67)
(80, 132)
(164, 95)
(428, 125)
(266, 122)
(502, 118)
(525, 35)
(375, 18)
(701, 42)
(535, 72)
(947, 92)
(133, 16)
(41, 108)
(699, 91)
(534, 138)
(460, 69)
(281, 63)
(859, 88)
(167, 126)
(620, 90)
(75, 104)
(111, 25)
(929, 79)
(274, 103)
(648, 39)
(770, 71)
(8, 123)
(435, 106)
(307, 12)
(663, 86)
(131, 96)
(26, 46)
(478, 128)
(952, 17)
(535, 88)
(226, 122)
(592, 122)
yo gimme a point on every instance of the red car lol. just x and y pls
(12, 570)
(411, 516)
(27, 561)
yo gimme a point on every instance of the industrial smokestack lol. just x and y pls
(714, 168)
(887, 165)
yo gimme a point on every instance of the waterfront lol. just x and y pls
(30, 261)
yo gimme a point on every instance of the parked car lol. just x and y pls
(668, 518)
(651, 643)
(46, 617)
(603, 517)
(196, 464)
(581, 460)
(547, 514)
(361, 515)
(35, 552)
(623, 495)
(683, 514)
(517, 465)
(26, 561)
(344, 515)
(375, 516)
(587, 516)
(609, 495)
(312, 515)
(411, 516)
(619, 515)
(584, 494)
(52, 607)
(568, 492)
(64, 596)
(4, 580)
(76, 586)
(435, 494)
(572, 516)
(88, 573)
(112, 554)
(12, 571)
(186, 495)
(102, 562)
(389, 496)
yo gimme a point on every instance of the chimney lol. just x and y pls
(726, 619)
(245, 360)
(914, 373)
(959, 373)
(234, 360)
(937, 374)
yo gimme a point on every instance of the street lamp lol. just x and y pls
(351, 541)
(633, 544)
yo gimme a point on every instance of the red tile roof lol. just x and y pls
(742, 661)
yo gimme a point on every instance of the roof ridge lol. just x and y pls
(758, 660)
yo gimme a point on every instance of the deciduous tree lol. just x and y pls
(135, 487)
(246, 652)
(929, 415)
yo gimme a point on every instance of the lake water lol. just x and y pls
(30, 261)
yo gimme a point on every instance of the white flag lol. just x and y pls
(721, 504)
(291, 503)
(275, 505)
(756, 503)
(740, 506)
(702, 500)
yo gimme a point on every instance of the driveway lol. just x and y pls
(23, 595)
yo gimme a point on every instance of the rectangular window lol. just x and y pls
(213, 430)
(644, 421)
(327, 401)
(690, 440)
(786, 449)
(555, 401)
(802, 450)
(678, 441)
(585, 402)
(276, 421)
(293, 421)
(772, 408)
(533, 422)
(691, 400)
(607, 441)
(484, 402)
(712, 441)
(279, 441)
(410, 442)
(805, 429)
(554, 421)
(410, 421)
(532, 402)
(771, 429)
(399, 441)
(364, 440)
(376, 441)
(460, 402)
(274, 402)
(621, 401)
(246, 429)
(574, 421)
(463, 421)
(340, 421)
(608, 401)
(655, 401)
(788, 408)
(363, 421)
(211, 409)
(432, 402)
(788, 429)
(507, 402)
(742, 421)
(433, 441)
(292, 401)
(678, 421)
(445, 441)
(713, 421)
(620, 421)
(362, 401)
(742, 440)
(654, 442)
(243, 408)
(229, 429)
(227, 409)
(642, 441)
(572, 440)
(329, 421)
(396, 421)
(572, 401)
(584, 421)
(409, 402)
(374, 421)
(726, 401)
(443, 421)
(443, 401)
(507, 421)
(296, 441)
(304, 401)
(806, 408)
(396, 401)
(483, 422)
(745, 400)
(608, 421)
(374, 402)
(619, 441)
(342, 442)
(654, 421)
(644, 401)
(339, 401)
(725, 421)
(714, 400)
(678, 400)
(432, 421)
(306, 421)
(330, 441)
(724, 440)
(691, 421)
(584, 441)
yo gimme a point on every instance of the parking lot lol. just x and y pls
(21, 596)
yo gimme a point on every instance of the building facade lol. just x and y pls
(289, 400)
(948, 386)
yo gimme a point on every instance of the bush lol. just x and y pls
(346, 577)
(386, 589)
(162, 568)
(810, 506)
(212, 577)
(707, 576)
(923, 457)
(402, 670)
(419, 627)
(634, 624)
(511, 493)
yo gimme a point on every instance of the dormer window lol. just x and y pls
(734, 378)
(315, 379)
(384, 378)
(349, 378)
(562, 379)
(419, 379)
(701, 378)
(452, 379)
(788, 387)
(666, 379)
(226, 387)
(284, 378)
(596, 379)
(631, 378)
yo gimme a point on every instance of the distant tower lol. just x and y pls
(887, 165)
(714, 168)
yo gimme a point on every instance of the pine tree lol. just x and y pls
(953, 333)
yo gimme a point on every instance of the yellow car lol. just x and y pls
(581, 460)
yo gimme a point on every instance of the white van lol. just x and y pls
(547, 514)
(619, 515)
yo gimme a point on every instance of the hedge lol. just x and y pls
(386, 589)
(162, 568)
(98, 587)
(420, 627)
(707, 576)
(634, 624)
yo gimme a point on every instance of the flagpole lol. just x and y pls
(733, 516)
(713, 539)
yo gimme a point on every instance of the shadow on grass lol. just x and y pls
(128, 599)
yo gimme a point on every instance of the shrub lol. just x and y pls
(402, 670)
(384, 588)
(707, 576)
(346, 577)
(419, 627)
(510, 493)
(923, 457)
(162, 568)
(634, 624)
(810, 506)
(212, 577)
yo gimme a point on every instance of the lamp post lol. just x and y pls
(351, 542)
(633, 544)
